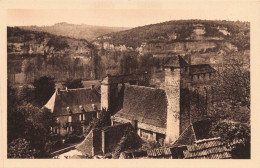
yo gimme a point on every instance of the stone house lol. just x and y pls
(73, 108)
(157, 114)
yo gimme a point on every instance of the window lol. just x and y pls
(69, 129)
(116, 123)
(160, 138)
(82, 117)
(70, 119)
(146, 134)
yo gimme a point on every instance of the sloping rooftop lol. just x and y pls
(176, 61)
(113, 136)
(144, 104)
(196, 131)
(207, 149)
(73, 98)
(201, 69)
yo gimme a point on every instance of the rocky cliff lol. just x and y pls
(21, 41)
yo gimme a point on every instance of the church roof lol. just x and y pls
(73, 98)
(144, 104)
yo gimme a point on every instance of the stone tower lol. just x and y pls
(109, 93)
(172, 89)
(110, 89)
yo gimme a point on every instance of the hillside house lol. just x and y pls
(73, 108)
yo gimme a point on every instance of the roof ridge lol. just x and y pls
(138, 86)
(76, 89)
(207, 140)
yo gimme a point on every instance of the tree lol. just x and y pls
(103, 120)
(32, 124)
(15, 120)
(20, 148)
(129, 141)
(44, 89)
(236, 134)
(232, 89)
(26, 67)
(73, 84)
(25, 94)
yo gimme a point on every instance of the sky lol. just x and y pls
(127, 13)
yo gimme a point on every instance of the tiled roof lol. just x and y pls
(196, 131)
(161, 152)
(113, 136)
(146, 105)
(187, 137)
(86, 145)
(133, 154)
(164, 151)
(212, 148)
(201, 69)
(73, 98)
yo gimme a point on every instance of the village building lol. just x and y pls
(73, 108)
(162, 115)
(101, 141)
(168, 116)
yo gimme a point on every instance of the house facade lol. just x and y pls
(73, 109)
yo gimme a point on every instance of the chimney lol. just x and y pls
(134, 124)
(81, 108)
(94, 107)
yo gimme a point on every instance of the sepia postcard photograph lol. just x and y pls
(127, 80)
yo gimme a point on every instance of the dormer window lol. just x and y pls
(94, 107)
(69, 110)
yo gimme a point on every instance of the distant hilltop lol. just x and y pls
(235, 32)
(79, 31)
